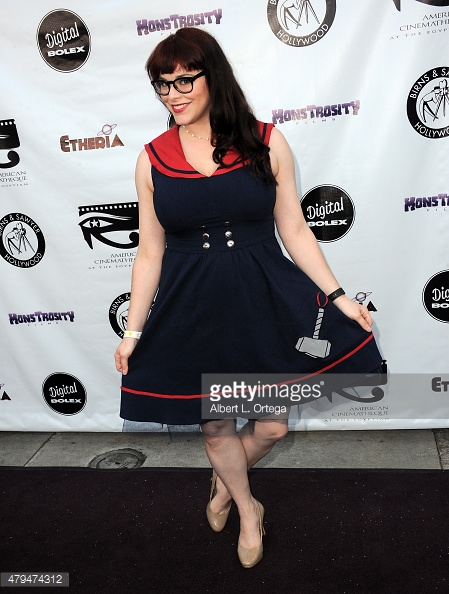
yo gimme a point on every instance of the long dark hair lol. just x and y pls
(232, 120)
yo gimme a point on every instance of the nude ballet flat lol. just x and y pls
(216, 521)
(251, 557)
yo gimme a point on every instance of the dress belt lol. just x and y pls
(218, 237)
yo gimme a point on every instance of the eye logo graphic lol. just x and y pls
(300, 22)
(329, 211)
(9, 139)
(63, 40)
(119, 220)
(428, 103)
(22, 243)
(397, 3)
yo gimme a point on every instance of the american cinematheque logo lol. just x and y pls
(428, 103)
(115, 225)
(397, 3)
(300, 22)
(63, 40)
(22, 242)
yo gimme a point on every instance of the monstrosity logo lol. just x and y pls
(428, 103)
(300, 22)
(63, 40)
(22, 242)
(329, 212)
(178, 21)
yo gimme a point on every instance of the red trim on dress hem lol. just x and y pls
(191, 396)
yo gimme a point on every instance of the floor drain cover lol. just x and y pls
(116, 459)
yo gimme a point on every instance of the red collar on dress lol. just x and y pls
(166, 154)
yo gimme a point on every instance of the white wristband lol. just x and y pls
(131, 334)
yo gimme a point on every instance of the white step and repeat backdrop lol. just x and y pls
(360, 90)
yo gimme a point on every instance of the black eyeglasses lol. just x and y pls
(183, 84)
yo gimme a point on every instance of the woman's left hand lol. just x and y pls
(355, 311)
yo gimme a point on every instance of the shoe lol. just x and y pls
(251, 557)
(216, 521)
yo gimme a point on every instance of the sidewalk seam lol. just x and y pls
(39, 449)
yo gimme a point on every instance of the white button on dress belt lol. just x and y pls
(206, 235)
(206, 245)
(228, 234)
(230, 243)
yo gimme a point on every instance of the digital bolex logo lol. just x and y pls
(436, 296)
(118, 313)
(179, 21)
(63, 40)
(315, 113)
(100, 141)
(115, 225)
(329, 211)
(22, 242)
(397, 3)
(428, 103)
(64, 393)
(299, 23)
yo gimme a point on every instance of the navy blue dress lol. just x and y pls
(229, 301)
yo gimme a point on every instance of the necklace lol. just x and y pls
(194, 136)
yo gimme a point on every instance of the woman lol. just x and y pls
(227, 299)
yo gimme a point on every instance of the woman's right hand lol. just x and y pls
(123, 353)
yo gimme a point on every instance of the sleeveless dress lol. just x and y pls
(229, 301)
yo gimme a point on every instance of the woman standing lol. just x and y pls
(227, 299)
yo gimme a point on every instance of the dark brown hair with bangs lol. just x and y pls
(232, 120)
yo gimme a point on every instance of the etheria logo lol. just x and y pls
(300, 22)
(63, 40)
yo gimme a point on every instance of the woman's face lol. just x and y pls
(189, 108)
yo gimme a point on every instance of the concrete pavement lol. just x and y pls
(402, 449)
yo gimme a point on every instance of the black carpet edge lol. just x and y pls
(206, 468)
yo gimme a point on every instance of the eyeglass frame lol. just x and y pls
(173, 82)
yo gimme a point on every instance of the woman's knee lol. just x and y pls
(271, 430)
(217, 429)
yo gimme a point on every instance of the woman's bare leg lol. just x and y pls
(257, 441)
(228, 457)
